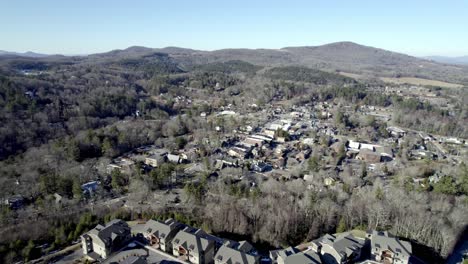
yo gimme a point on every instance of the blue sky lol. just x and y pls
(414, 27)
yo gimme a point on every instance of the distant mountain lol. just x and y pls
(28, 54)
(346, 57)
(463, 60)
(341, 56)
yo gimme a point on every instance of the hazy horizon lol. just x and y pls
(418, 28)
(123, 48)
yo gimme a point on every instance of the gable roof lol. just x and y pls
(192, 239)
(160, 229)
(106, 235)
(227, 254)
(383, 241)
(283, 253)
(308, 257)
(345, 244)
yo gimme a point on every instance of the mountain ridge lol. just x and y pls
(29, 54)
(345, 56)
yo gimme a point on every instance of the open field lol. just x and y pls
(352, 75)
(407, 80)
(419, 81)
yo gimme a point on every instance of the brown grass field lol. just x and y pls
(420, 81)
(407, 80)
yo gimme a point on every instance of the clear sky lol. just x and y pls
(416, 27)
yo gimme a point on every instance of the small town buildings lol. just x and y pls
(174, 158)
(435, 178)
(122, 164)
(239, 152)
(451, 140)
(194, 169)
(396, 132)
(353, 145)
(280, 150)
(225, 162)
(388, 249)
(308, 177)
(367, 146)
(280, 139)
(101, 241)
(234, 252)
(368, 156)
(425, 136)
(90, 187)
(226, 113)
(160, 234)
(422, 154)
(308, 141)
(337, 147)
(339, 248)
(275, 126)
(303, 155)
(269, 133)
(259, 166)
(279, 163)
(386, 152)
(253, 142)
(157, 157)
(15, 202)
(193, 245)
(296, 114)
(112, 167)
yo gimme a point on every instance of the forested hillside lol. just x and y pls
(67, 120)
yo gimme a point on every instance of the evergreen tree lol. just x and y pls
(341, 226)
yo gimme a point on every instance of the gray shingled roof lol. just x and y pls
(105, 235)
(344, 243)
(274, 254)
(383, 241)
(194, 240)
(226, 254)
(308, 257)
(160, 229)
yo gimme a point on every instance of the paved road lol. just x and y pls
(157, 256)
(74, 256)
